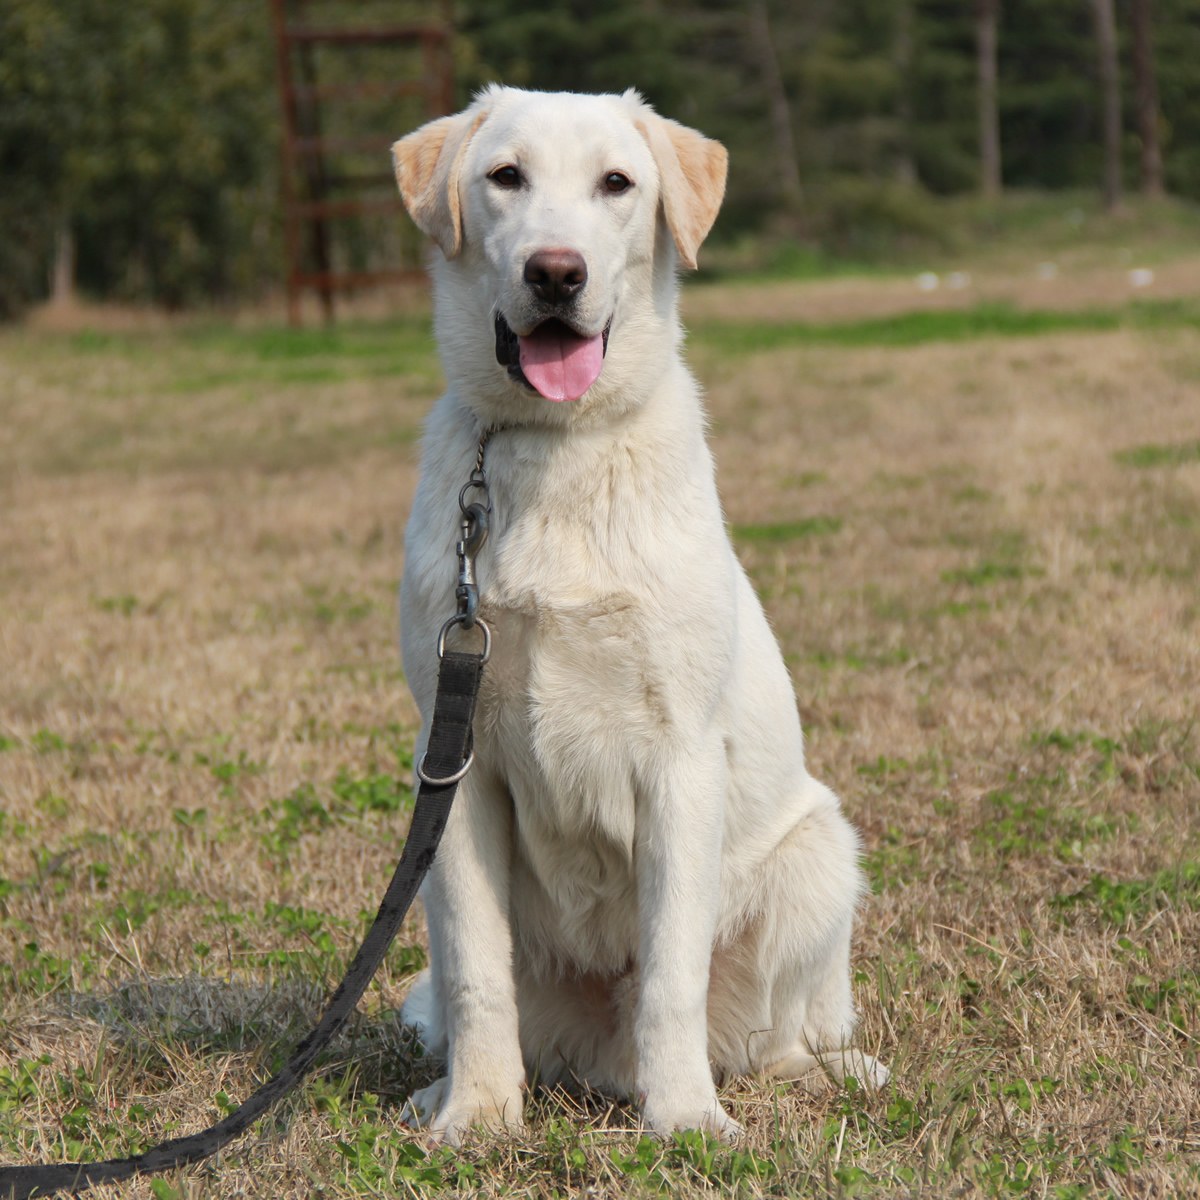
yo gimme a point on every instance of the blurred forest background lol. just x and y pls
(140, 141)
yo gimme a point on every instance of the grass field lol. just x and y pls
(975, 522)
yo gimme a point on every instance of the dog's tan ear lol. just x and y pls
(428, 163)
(692, 169)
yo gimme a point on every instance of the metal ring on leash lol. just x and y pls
(448, 779)
(473, 483)
(463, 620)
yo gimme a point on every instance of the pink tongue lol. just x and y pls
(561, 364)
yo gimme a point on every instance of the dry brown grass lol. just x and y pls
(993, 623)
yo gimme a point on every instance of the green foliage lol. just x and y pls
(694, 1156)
(304, 811)
(38, 971)
(1118, 902)
(297, 813)
(149, 130)
(379, 1159)
(374, 793)
(865, 218)
(145, 129)
(1025, 1092)
(1048, 96)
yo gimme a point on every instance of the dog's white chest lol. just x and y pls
(571, 702)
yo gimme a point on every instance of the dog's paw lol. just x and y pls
(665, 1119)
(817, 1073)
(447, 1115)
(868, 1070)
(423, 1105)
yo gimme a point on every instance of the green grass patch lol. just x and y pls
(691, 1155)
(377, 1159)
(919, 328)
(125, 605)
(383, 343)
(1006, 561)
(221, 356)
(38, 972)
(985, 573)
(894, 861)
(862, 659)
(1176, 998)
(1170, 454)
(787, 531)
(361, 340)
(378, 793)
(135, 906)
(957, 609)
(320, 950)
(91, 1126)
(1117, 902)
(350, 797)
(1098, 752)
(971, 494)
(333, 606)
(45, 741)
(1035, 821)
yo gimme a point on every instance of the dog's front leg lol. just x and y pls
(679, 834)
(466, 901)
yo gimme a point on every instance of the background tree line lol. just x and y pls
(139, 142)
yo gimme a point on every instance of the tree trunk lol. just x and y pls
(62, 274)
(989, 116)
(1145, 86)
(779, 109)
(1110, 100)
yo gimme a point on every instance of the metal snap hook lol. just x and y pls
(475, 524)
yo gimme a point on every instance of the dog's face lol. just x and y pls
(560, 201)
(560, 218)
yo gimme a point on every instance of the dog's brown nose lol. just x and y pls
(556, 275)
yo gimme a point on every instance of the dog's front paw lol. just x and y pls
(446, 1114)
(663, 1118)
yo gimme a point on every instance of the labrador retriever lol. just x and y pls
(640, 888)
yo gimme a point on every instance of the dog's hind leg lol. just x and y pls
(798, 995)
(818, 1018)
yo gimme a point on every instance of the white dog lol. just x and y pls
(640, 886)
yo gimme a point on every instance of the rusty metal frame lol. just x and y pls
(306, 175)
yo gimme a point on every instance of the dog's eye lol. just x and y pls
(506, 177)
(616, 183)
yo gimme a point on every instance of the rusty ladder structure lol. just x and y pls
(316, 189)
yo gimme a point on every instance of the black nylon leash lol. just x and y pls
(446, 758)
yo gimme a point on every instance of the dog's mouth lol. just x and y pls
(552, 359)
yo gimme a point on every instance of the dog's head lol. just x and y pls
(561, 220)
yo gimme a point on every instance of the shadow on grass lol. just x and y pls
(166, 1026)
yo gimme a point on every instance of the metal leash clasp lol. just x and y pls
(475, 505)
(473, 531)
(473, 534)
